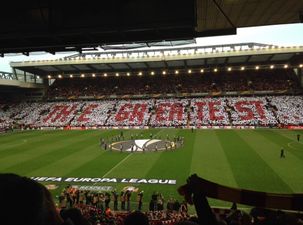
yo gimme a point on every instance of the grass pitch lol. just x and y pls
(248, 159)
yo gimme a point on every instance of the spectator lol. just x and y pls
(26, 202)
(74, 215)
(136, 218)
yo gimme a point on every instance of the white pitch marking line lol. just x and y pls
(116, 165)
(290, 145)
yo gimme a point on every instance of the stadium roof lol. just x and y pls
(54, 26)
(166, 59)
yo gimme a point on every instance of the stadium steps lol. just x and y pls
(114, 109)
(152, 111)
(272, 108)
(228, 109)
(75, 115)
(188, 109)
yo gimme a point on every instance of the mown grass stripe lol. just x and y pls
(9, 137)
(282, 141)
(43, 155)
(173, 165)
(254, 174)
(37, 142)
(104, 162)
(270, 152)
(72, 156)
(207, 150)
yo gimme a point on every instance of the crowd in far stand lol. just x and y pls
(270, 111)
(131, 113)
(170, 113)
(182, 83)
(164, 112)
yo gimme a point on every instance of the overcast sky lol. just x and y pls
(291, 34)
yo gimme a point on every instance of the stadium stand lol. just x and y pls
(270, 111)
(222, 100)
(130, 113)
(277, 80)
(267, 98)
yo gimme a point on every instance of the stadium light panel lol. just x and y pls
(93, 75)
(177, 72)
(202, 71)
(229, 69)
(38, 77)
(117, 74)
(189, 71)
(60, 76)
(257, 67)
(152, 73)
(242, 68)
(285, 66)
(71, 76)
(215, 70)
(49, 76)
(272, 66)
(105, 75)
(128, 74)
(163, 72)
(140, 74)
(301, 65)
(82, 75)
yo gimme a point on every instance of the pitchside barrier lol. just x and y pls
(147, 127)
(295, 127)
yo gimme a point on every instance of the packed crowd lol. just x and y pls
(93, 114)
(101, 207)
(169, 113)
(288, 109)
(223, 111)
(208, 111)
(174, 84)
(131, 113)
(35, 206)
(250, 111)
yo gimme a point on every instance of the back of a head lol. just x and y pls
(136, 218)
(186, 222)
(26, 202)
(74, 215)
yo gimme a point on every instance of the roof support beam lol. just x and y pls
(112, 68)
(248, 58)
(223, 13)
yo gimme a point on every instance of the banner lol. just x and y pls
(93, 188)
(247, 197)
(104, 180)
(295, 127)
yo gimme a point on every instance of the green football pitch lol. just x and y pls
(248, 159)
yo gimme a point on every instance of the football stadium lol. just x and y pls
(155, 130)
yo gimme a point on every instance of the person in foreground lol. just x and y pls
(195, 196)
(26, 202)
(136, 218)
